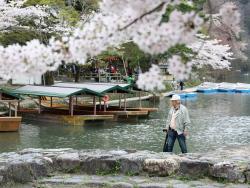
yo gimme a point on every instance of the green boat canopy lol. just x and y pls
(53, 91)
(125, 86)
(96, 87)
(7, 94)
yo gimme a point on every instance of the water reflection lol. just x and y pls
(218, 120)
(9, 141)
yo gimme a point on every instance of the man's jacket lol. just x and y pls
(182, 119)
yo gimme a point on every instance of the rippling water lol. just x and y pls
(218, 120)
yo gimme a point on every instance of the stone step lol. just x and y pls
(119, 181)
(29, 165)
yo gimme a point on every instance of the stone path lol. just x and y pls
(93, 181)
(130, 168)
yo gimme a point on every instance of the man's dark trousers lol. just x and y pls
(172, 135)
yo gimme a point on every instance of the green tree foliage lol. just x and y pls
(184, 6)
(66, 13)
(56, 3)
(86, 6)
(70, 15)
(133, 54)
(17, 36)
(179, 49)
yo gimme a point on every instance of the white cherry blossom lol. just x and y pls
(116, 22)
(151, 80)
(230, 16)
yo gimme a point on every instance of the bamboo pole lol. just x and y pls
(125, 102)
(15, 110)
(51, 103)
(18, 105)
(94, 102)
(120, 102)
(140, 99)
(105, 106)
(100, 103)
(71, 106)
(39, 109)
(154, 99)
(9, 109)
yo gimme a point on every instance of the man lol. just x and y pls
(177, 125)
(181, 85)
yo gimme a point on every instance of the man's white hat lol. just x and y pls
(175, 98)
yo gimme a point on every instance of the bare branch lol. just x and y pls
(143, 15)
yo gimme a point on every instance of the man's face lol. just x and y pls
(175, 103)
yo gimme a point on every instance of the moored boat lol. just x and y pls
(9, 123)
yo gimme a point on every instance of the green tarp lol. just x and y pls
(96, 87)
(53, 91)
(8, 93)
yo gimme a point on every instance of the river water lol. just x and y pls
(218, 120)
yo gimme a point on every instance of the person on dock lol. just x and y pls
(177, 125)
(181, 85)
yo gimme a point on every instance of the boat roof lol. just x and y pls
(6, 93)
(123, 85)
(96, 87)
(50, 91)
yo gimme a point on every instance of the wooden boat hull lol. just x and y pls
(111, 110)
(208, 90)
(60, 116)
(10, 124)
(136, 108)
(116, 111)
(242, 90)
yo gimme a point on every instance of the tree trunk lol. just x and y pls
(48, 78)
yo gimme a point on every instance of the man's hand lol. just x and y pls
(185, 133)
(165, 130)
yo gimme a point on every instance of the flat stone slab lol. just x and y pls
(120, 181)
(30, 165)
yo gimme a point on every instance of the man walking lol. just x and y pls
(177, 125)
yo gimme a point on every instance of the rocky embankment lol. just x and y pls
(124, 168)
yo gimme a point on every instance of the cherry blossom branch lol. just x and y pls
(142, 16)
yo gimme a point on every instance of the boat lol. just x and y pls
(67, 116)
(207, 90)
(106, 89)
(184, 95)
(242, 90)
(187, 95)
(226, 90)
(226, 87)
(9, 123)
(208, 87)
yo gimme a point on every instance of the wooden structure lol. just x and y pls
(106, 89)
(9, 123)
(135, 89)
(60, 116)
